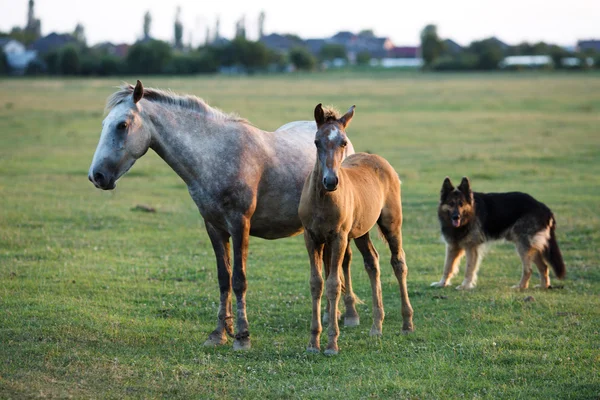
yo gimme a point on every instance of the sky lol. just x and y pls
(513, 21)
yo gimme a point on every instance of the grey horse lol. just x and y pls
(245, 181)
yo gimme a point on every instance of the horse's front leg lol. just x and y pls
(333, 289)
(315, 254)
(220, 243)
(240, 237)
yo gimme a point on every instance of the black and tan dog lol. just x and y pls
(469, 220)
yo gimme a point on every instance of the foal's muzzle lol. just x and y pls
(330, 182)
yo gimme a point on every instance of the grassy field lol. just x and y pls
(98, 300)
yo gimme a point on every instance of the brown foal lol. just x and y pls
(342, 201)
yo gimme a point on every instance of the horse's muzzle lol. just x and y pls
(102, 181)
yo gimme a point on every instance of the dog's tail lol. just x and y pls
(552, 252)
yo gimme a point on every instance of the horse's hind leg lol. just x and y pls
(390, 223)
(351, 317)
(371, 260)
(220, 243)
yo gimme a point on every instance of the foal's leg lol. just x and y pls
(220, 243)
(390, 224)
(351, 317)
(333, 288)
(240, 238)
(315, 254)
(371, 260)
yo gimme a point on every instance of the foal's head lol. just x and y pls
(330, 141)
(123, 140)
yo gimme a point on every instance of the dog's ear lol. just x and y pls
(345, 120)
(447, 187)
(319, 115)
(465, 188)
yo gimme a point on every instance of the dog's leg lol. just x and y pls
(543, 268)
(526, 253)
(473, 260)
(453, 256)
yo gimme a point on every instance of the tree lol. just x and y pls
(240, 28)
(150, 57)
(147, 24)
(363, 58)
(366, 33)
(332, 51)
(489, 53)
(261, 24)
(431, 45)
(302, 59)
(79, 34)
(70, 63)
(178, 28)
(4, 68)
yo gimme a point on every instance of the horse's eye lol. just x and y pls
(317, 142)
(122, 126)
(344, 144)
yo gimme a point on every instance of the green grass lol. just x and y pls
(97, 300)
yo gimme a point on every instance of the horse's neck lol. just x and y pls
(185, 139)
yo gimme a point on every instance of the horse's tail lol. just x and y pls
(552, 253)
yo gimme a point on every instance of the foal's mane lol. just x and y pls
(169, 97)
(331, 114)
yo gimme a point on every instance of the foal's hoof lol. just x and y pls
(352, 321)
(313, 350)
(518, 287)
(331, 352)
(408, 328)
(215, 339)
(241, 344)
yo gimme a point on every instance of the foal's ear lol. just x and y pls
(447, 187)
(319, 115)
(138, 92)
(345, 120)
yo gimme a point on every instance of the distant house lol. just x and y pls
(500, 43)
(17, 56)
(451, 47)
(377, 47)
(315, 45)
(588, 45)
(117, 50)
(280, 43)
(403, 52)
(527, 61)
(51, 42)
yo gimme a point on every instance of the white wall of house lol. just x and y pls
(13, 47)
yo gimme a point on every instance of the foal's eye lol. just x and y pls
(344, 143)
(317, 142)
(122, 125)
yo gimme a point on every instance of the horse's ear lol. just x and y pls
(138, 92)
(465, 188)
(345, 120)
(447, 187)
(319, 115)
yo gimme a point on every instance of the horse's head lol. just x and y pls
(331, 141)
(123, 140)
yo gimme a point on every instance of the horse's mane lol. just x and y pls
(171, 98)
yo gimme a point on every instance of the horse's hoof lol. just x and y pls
(351, 321)
(406, 329)
(439, 284)
(375, 332)
(518, 287)
(331, 352)
(465, 286)
(241, 344)
(215, 340)
(313, 350)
